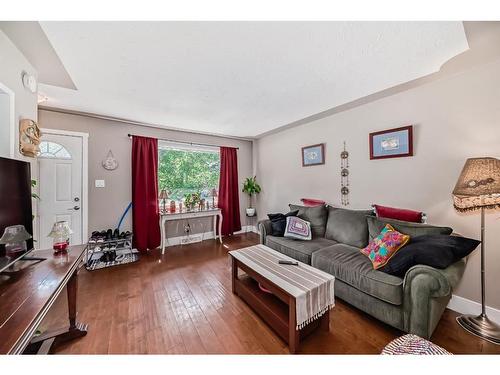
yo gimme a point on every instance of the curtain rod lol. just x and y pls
(187, 143)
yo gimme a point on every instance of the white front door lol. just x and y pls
(60, 186)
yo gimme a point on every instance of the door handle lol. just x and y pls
(75, 208)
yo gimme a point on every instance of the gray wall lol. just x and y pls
(454, 118)
(107, 204)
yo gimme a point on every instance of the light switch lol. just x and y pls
(100, 183)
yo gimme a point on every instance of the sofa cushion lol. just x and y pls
(315, 215)
(350, 266)
(298, 229)
(348, 226)
(438, 251)
(376, 224)
(385, 246)
(297, 249)
(398, 213)
(278, 222)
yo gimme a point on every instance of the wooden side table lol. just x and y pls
(27, 296)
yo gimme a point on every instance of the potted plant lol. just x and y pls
(251, 187)
(191, 201)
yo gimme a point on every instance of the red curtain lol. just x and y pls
(145, 193)
(229, 201)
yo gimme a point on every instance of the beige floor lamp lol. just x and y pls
(478, 188)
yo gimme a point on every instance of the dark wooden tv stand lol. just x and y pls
(27, 295)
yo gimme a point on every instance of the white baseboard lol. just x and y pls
(247, 228)
(466, 306)
(174, 241)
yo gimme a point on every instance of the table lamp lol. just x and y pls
(14, 238)
(478, 188)
(60, 234)
(164, 197)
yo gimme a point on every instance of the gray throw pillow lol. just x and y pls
(315, 215)
(348, 226)
(375, 226)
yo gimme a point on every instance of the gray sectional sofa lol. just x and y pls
(413, 304)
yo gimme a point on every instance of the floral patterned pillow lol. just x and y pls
(384, 246)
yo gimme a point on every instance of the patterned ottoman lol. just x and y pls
(412, 344)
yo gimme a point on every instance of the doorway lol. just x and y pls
(63, 184)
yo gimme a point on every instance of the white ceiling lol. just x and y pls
(239, 78)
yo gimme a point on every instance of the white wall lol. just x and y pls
(5, 125)
(454, 118)
(12, 64)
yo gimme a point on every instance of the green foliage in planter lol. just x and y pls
(251, 187)
(33, 195)
(192, 200)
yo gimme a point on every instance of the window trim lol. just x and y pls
(53, 155)
(163, 145)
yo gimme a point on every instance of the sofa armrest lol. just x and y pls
(427, 291)
(265, 229)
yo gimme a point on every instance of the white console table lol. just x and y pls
(212, 212)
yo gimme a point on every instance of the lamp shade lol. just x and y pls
(14, 234)
(60, 229)
(478, 185)
(163, 194)
(213, 193)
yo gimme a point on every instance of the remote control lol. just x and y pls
(288, 262)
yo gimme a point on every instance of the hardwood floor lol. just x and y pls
(181, 302)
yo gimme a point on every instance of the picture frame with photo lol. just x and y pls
(313, 155)
(391, 143)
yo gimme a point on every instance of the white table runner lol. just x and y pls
(311, 287)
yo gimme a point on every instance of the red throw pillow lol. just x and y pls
(398, 213)
(309, 202)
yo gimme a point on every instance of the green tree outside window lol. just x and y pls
(184, 172)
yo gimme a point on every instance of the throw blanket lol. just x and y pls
(311, 287)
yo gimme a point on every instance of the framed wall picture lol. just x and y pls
(392, 143)
(313, 155)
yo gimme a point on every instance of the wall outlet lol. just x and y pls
(100, 183)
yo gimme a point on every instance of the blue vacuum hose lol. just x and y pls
(124, 214)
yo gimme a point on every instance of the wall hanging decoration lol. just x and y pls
(392, 143)
(29, 82)
(344, 177)
(313, 155)
(29, 138)
(110, 163)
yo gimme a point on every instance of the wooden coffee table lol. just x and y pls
(276, 307)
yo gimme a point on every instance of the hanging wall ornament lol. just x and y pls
(344, 177)
(110, 163)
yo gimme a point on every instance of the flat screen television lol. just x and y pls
(15, 200)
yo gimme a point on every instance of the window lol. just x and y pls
(53, 150)
(188, 169)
